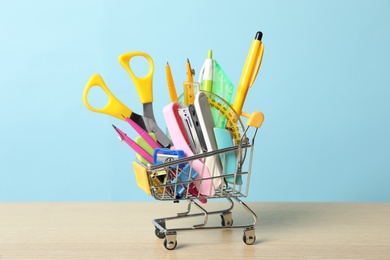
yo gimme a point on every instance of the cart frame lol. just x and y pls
(161, 187)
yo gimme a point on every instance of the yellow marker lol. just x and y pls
(249, 73)
(171, 84)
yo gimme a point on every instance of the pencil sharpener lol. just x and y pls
(163, 155)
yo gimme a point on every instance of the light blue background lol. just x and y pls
(323, 87)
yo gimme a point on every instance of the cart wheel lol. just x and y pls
(158, 233)
(249, 240)
(170, 245)
(170, 240)
(249, 236)
(226, 219)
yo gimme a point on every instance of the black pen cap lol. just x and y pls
(259, 35)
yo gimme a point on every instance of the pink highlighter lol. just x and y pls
(145, 135)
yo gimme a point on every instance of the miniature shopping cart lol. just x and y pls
(175, 180)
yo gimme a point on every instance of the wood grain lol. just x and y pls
(125, 231)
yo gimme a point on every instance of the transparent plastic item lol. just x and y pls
(223, 113)
(222, 87)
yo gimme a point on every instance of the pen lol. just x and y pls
(171, 84)
(138, 149)
(249, 72)
(207, 70)
(145, 135)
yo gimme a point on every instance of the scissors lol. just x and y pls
(116, 108)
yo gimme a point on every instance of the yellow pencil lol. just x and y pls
(171, 84)
(189, 93)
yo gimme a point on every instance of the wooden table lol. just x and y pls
(125, 231)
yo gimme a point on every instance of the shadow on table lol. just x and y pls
(291, 215)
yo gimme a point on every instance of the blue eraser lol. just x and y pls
(228, 159)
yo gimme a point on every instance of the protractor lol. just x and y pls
(224, 115)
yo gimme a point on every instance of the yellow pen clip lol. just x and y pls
(143, 85)
(113, 107)
(257, 65)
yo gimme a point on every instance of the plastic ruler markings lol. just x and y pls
(231, 118)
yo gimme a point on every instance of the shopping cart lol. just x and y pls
(175, 180)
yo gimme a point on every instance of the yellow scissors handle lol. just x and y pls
(143, 85)
(113, 107)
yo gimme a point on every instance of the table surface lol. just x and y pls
(125, 231)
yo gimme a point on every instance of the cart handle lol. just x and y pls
(255, 119)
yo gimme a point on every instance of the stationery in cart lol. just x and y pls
(205, 152)
(206, 122)
(174, 125)
(193, 129)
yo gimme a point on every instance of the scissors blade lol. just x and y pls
(138, 119)
(148, 111)
(152, 127)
